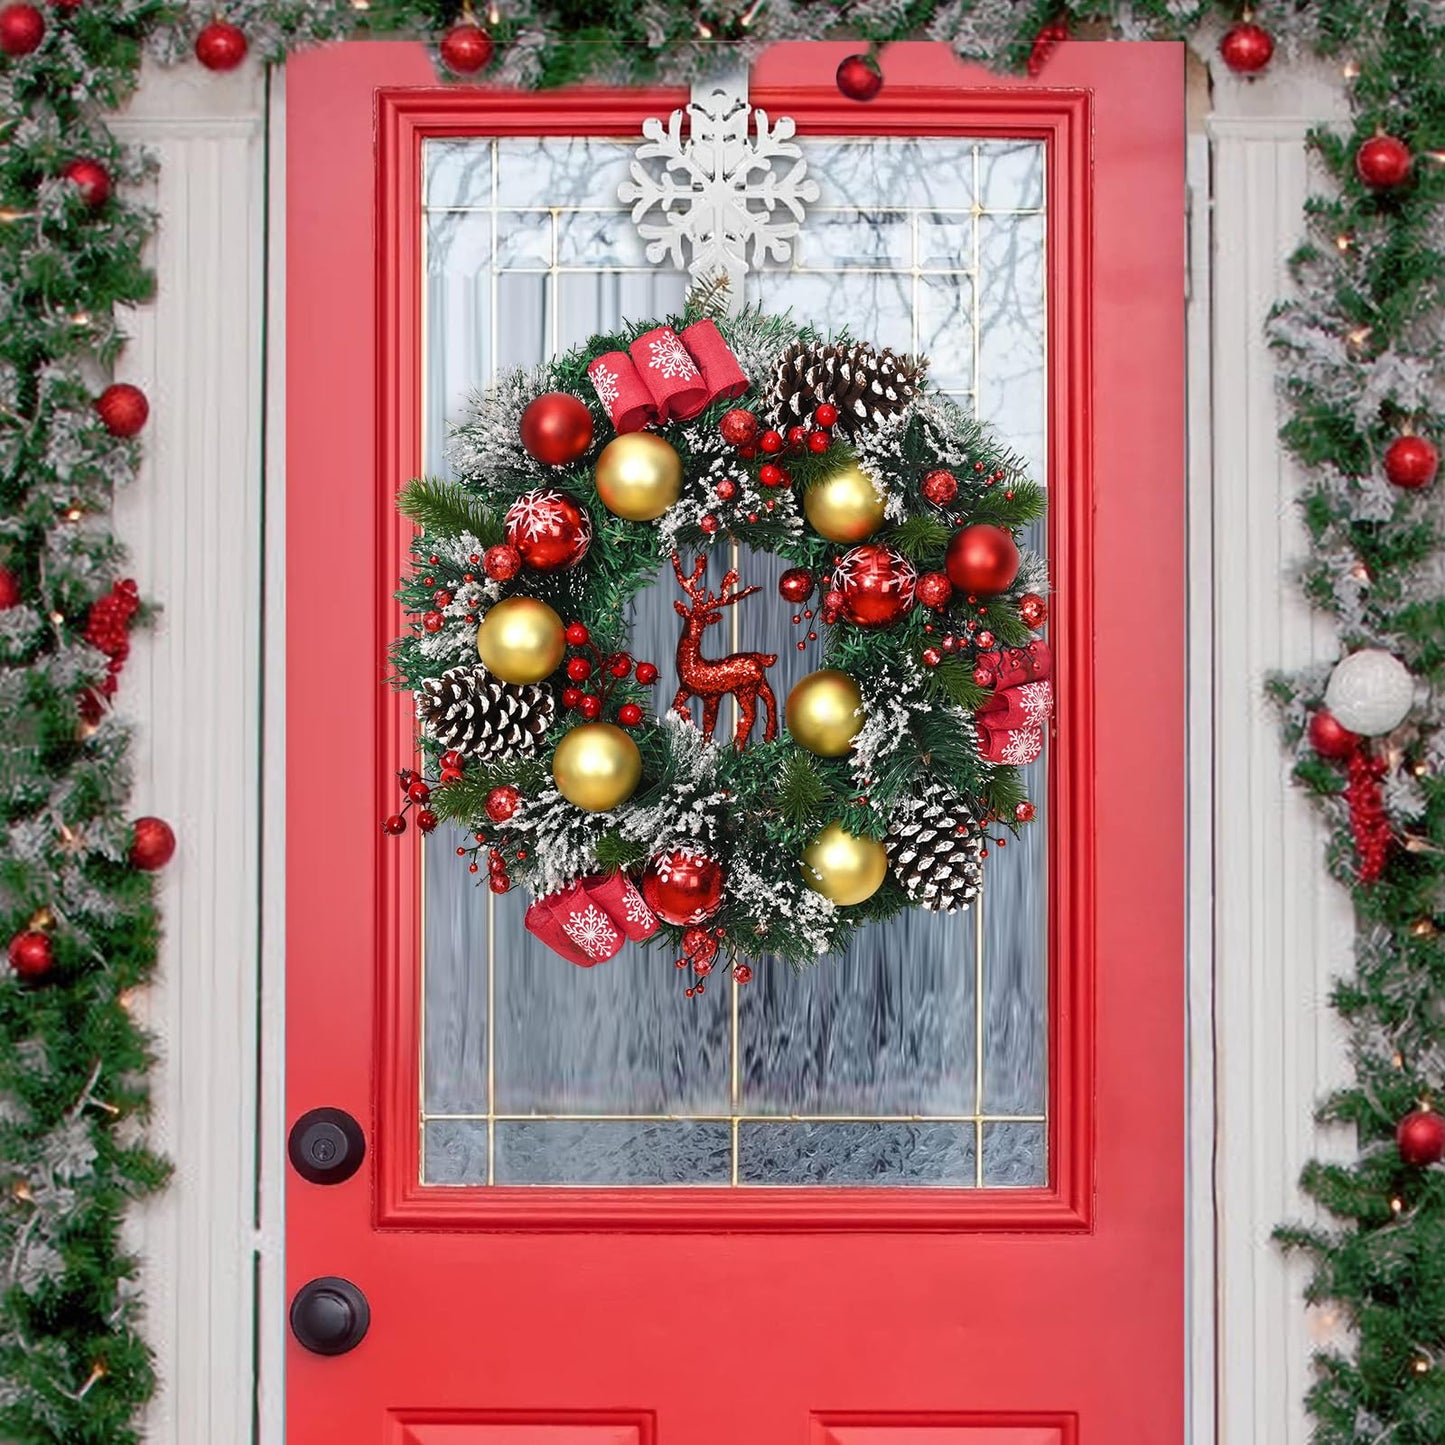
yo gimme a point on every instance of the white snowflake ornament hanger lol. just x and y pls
(718, 178)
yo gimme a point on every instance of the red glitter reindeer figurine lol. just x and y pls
(740, 673)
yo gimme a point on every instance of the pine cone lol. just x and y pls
(865, 385)
(481, 716)
(934, 847)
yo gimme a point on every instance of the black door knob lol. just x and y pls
(326, 1146)
(330, 1316)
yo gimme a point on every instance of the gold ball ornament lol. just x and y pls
(638, 476)
(843, 868)
(825, 712)
(844, 507)
(521, 640)
(596, 766)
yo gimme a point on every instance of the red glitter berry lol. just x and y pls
(726, 489)
(502, 562)
(708, 523)
(433, 621)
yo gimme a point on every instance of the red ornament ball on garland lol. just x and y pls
(31, 955)
(433, 621)
(1329, 739)
(556, 428)
(682, 886)
(1247, 48)
(739, 427)
(123, 408)
(153, 844)
(549, 530)
(502, 562)
(796, 585)
(983, 560)
(877, 583)
(939, 487)
(1411, 461)
(9, 589)
(1420, 1138)
(859, 77)
(503, 802)
(1383, 162)
(466, 48)
(934, 590)
(91, 179)
(221, 46)
(22, 28)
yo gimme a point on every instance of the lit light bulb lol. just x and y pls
(74, 514)
(1398, 1059)
(1343, 242)
(1350, 70)
(1397, 1205)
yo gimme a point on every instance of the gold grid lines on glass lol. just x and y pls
(465, 343)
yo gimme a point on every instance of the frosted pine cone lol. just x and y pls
(866, 386)
(934, 847)
(481, 716)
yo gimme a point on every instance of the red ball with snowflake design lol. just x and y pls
(683, 886)
(877, 583)
(549, 530)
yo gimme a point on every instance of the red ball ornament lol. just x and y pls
(502, 562)
(934, 590)
(1329, 739)
(877, 584)
(683, 886)
(433, 621)
(931, 657)
(939, 487)
(502, 802)
(726, 489)
(549, 530)
(629, 714)
(796, 585)
(30, 955)
(1420, 1138)
(9, 589)
(1024, 812)
(22, 28)
(1411, 461)
(859, 77)
(982, 560)
(221, 46)
(91, 179)
(1034, 610)
(556, 428)
(739, 427)
(466, 48)
(123, 408)
(1247, 48)
(153, 844)
(1383, 162)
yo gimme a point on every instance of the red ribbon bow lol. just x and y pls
(589, 920)
(1011, 723)
(664, 376)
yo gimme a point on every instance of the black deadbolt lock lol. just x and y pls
(330, 1316)
(326, 1146)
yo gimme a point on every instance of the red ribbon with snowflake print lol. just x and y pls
(665, 375)
(589, 920)
(1011, 723)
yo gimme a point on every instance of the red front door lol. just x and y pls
(505, 1313)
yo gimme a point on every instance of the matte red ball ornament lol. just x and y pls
(1383, 162)
(22, 28)
(123, 408)
(1420, 1138)
(556, 428)
(934, 590)
(859, 77)
(1247, 48)
(466, 48)
(739, 427)
(939, 487)
(31, 955)
(153, 844)
(549, 530)
(683, 886)
(796, 585)
(982, 560)
(9, 589)
(1411, 461)
(1329, 739)
(877, 584)
(90, 178)
(221, 46)
(502, 802)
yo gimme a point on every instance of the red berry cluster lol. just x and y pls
(741, 429)
(108, 628)
(601, 676)
(1365, 795)
(415, 793)
(700, 956)
(1044, 43)
(468, 589)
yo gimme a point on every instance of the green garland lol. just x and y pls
(72, 1062)
(747, 808)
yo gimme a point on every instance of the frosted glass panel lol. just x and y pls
(920, 1058)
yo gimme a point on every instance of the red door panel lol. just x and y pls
(506, 1316)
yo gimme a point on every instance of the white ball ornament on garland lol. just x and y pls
(1370, 692)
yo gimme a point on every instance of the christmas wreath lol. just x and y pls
(632, 460)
